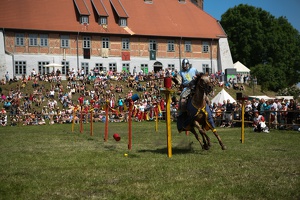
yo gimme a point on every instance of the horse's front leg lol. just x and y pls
(205, 138)
(197, 137)
(219, 139)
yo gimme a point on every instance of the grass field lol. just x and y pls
(51, 162)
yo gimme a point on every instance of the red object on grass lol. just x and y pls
(117, 137)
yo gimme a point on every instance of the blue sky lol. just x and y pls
(288, 8)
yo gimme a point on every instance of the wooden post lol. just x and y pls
(243, 123)
(81, 118)
(130, 125)
(156, 121)
(91, 128)
(73, 121)
(168, 120)
(106, 122)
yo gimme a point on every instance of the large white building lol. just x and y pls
(109, 35)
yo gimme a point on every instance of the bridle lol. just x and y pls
(206, 87)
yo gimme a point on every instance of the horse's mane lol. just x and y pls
(195, 81)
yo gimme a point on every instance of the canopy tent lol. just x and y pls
(54, 66)
(221, 96)
(285, 97)
(261, 97)
(240, 68)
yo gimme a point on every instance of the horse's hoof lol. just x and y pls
(224, 147)
(206, 147)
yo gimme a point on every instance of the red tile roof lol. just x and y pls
(161, 18)
(118, 8)
(99, 7)
(81, 6)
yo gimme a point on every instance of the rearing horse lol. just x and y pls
(198, 114)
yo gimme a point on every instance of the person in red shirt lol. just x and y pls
(259, 123)
(80, 100)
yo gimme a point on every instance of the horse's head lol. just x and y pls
(204, 82)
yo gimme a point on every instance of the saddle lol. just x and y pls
(185, 120)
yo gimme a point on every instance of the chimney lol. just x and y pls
(198, 3)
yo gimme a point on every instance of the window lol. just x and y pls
(171, 46)
(20, 67)
(65, 68)
(64, 41)
(84, 19)
(171, 66)
(206, 69)
(85, 67)
(144, 68)
(19, 39)
(102, 20)
(187, 46)
(125, 43)
(86, 42)
(112, 67)
(105, 42)
(152, 45)
(33, 40)
(44, 40)
(100, 67)
(125, 67)
(123, 22)
(205, 47)
(42, 69)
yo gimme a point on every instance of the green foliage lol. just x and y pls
(256, 37)
(268, 77)
(290, 91)
(51, 162)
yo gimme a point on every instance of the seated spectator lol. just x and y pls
(259, 123)
(242, 87)
(7, 104)
(235, 86)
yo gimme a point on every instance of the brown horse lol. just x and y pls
(198, 114)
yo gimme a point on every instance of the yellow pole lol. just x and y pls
(106, 122)
(156, 121)
(73, 121)
(168, 123)
(91, 128)
(243, 122)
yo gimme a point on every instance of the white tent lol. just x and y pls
(221, 96)
(285, 97)
(54, 66)
(240, 68)
(261, 97)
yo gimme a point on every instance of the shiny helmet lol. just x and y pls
(185, 64)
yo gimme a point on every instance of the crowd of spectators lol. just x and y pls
(84, 95)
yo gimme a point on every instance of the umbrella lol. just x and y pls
(54, 66)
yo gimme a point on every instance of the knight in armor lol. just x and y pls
(188, 74)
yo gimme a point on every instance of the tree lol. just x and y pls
(265, 44)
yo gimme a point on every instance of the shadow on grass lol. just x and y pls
(188, 148)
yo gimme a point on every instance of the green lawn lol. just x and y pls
(51, 162)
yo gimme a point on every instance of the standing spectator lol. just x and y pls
(228, 113)
(33, 73)
(7, 77)
(291, 114)
(121, 105)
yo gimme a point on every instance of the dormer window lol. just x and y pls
(84, 19)
(123, 21)
(102, 20)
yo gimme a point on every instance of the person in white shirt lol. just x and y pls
(259, 123)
